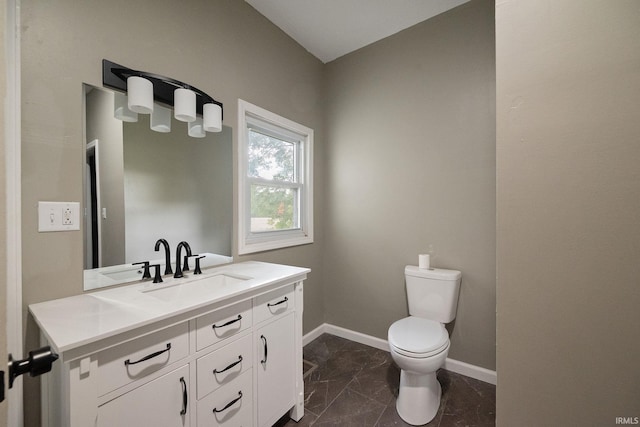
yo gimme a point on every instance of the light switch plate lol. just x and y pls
(58, 216)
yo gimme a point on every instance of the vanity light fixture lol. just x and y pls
(140, 94)
(189, 102)
(160, 119)
(184, 107)
(212, 117)
(195, 129)
(121, 109)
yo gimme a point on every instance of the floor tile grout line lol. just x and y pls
(378, 420)
(331, 403)
(384, 407)
(362, 394)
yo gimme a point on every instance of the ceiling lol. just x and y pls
(332, 28)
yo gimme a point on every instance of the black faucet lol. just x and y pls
(167, 255)
(178, 259)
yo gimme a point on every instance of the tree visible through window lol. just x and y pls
(275, 181)
(272, 170)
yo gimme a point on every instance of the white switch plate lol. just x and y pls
(58, 216)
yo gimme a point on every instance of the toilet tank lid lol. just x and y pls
(434, 273)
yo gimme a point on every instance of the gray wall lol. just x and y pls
(223, 47)
(411, 169)
(568, 204)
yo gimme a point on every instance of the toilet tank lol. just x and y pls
(432, 294)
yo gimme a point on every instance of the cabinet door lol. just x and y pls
(162, 402)
(275, 363)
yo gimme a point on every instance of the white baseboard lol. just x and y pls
(473, 371)
(452, 365)
(312, 335)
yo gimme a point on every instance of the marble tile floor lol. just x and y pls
(351, 384)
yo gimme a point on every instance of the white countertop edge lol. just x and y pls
(57, 318)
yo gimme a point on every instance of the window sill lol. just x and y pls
(260, 245)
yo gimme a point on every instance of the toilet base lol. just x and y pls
(418, 397)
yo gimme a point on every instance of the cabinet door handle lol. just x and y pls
(149, 356)
(216, 410)
(185, 397)
(264, 344)
(215, 371)
(282, 301)
(230, 322)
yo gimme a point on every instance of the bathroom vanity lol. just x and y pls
(221, 348)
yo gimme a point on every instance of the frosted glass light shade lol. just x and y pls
(195, 129)
(212, 116)
(184, 105)
(161, 119)
(140, 94)
(121, 109)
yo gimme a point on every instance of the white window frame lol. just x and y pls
(249, 242)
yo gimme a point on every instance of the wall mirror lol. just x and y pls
(141, 185)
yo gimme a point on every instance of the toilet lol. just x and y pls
(419, 344)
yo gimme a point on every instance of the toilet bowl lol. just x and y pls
(419, 344)
(419, 347)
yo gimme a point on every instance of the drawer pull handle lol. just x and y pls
(264, 343)
(149, 356)
(185, 398)
(216, 410)
(215, 371)
(230, 322)
(282, 301)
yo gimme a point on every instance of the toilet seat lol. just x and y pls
(417, 337)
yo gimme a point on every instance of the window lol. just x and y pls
(275, 194)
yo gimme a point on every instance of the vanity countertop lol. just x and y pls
(80, 320)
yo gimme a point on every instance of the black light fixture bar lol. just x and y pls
(115, 76)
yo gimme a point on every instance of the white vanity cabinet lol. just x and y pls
(233, 358)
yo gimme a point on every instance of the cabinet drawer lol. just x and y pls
(231, 405)
(133, 360)
(214, 327)
(224, 365)
(273, 304)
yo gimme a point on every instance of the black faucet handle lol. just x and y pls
(185, 266)
(157, 278)
(197, 270)
(145, 274)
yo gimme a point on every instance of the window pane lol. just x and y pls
(273, 208)
(270, 158)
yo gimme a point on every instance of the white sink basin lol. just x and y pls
(199, 288)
